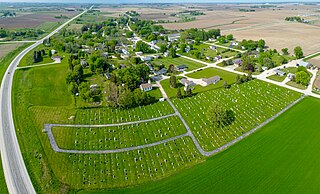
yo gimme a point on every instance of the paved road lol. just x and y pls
(15, 172)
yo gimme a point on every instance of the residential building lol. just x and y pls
(211, 80)
(146, 87)
(279, 72)
(181, 68)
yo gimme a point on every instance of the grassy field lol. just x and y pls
(105, 138)
(296, 85)
(252, 103)
(210, 72)
(27, 60)
(3, 185)
(278, 158)
(37, 102)
(178, 61)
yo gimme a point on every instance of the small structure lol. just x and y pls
(181, 68)
(146, 87)
(162, 71)
(291, 76)
(108, 76)
(264, 68)
(279, 72)
(93, 87)
(213, 47)
(139, 53)
(57, 59)
(122, 66)
(53, 51)
(211, 80)
(146, 58)
(304, 64)
(83, 63)
(237, 62)
(166, 54)
(217, 58)
(173, 37)
(187, 83)
(212, 39)
(162, 99)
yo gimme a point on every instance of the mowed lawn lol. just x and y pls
(281, 157)
(178, 61)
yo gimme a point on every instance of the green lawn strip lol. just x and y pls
(105, 138)
(296, 85)
(278, 158)
(277, 78)
(179, 61)
(5, 61)
(252, 103)
(312, 56)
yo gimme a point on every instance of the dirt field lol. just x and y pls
(7, 48)
(32, 20)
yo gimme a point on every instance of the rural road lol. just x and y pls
(15, 172)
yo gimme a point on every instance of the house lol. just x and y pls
(83, 63)
(211, 80)
(279, 72)
(153, 42)
(208, 58)
(108, 76)
(291, 76)
(57, 59)
(166, 54)
(264, 68)
(187, 83)
(162, 99)
(162, 71)
(146, 87)
(122, 66)
(187, 49)
(181, 68)
(304, 64)
(146, 58)
(217, 58)
(212, 39)
(53, 51)
(213, 47)
(237, 62)
(173, 37)
(139, 53)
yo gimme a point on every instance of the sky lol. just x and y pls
(158, 1)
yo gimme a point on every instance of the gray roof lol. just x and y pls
(161, 71)
(187, 82)
(181, 67)
(279, 72)
(304, 64)
(211, 80)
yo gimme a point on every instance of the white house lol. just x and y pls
(279, 72)
(53, 51)
(304, 64)
(146, 87)
(57, 59)
(213, 47)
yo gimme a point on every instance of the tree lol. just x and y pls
(285, 51)
(173, 81)
(129, 34)
(179, 95)
(230, 37)
(171, 68)
(268, 63)
(183, 47)
(226, 85)
(298, 52)
(188, 92)
(163, 48)
(73, 88)
(302, 77)
(238, 79)
(172, 52)
(49, 54)
(217, 114)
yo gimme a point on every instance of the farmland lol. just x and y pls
(7, 48)
(277, 158)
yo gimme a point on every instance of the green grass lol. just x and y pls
(296, 85)
(27, 60)
(178, 61)
(312, 56)
(3, 185)
(252, 103)
(279, 158)
(105, 138)
(5, 61)
(277, 78)
(210, 72)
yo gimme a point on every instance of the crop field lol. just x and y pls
(7, 48)
(105, 138)
(252, 103)
(278, 158)
(178, 61)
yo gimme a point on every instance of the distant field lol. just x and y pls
(7, 48)
(278, 158)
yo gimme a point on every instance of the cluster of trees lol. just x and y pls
(122, 97)
(252, 44)
(187, 92)
(144, 47)
(219, 115)
(38, 55)
(23, 33)
(131, 77)
(244, 78)
(298, 52)
(225, 39)
(75, 75)
(302, 76)
(8, 14)
(99, 64)
(198, 34)
(294, 19)
(146, 28)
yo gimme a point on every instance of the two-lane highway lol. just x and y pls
(15, 172)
